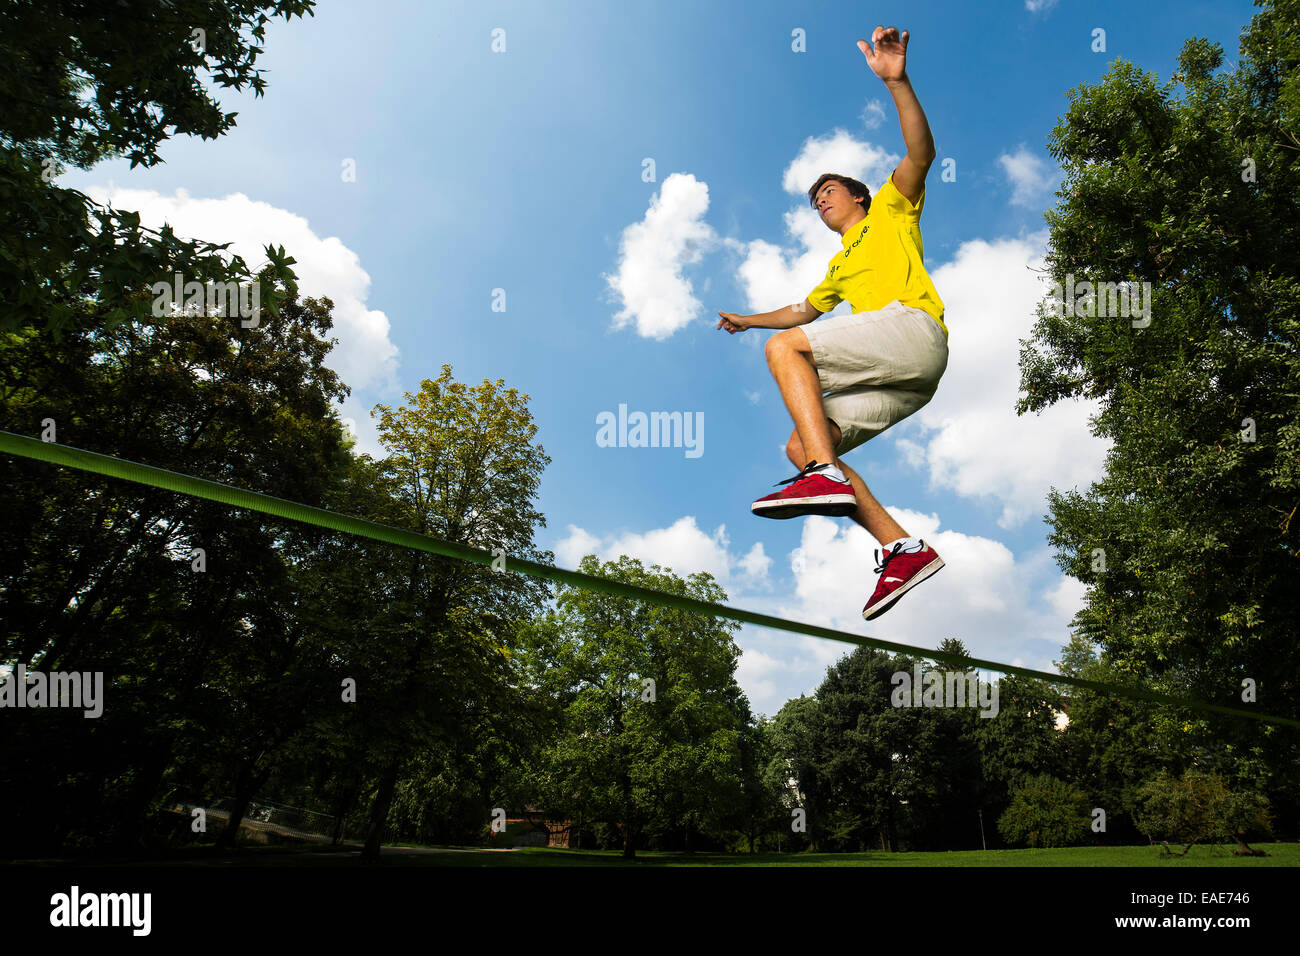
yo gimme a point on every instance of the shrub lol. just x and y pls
(1045, 812)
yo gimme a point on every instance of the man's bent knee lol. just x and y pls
(786, 341)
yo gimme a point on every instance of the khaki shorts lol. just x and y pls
(876, 368)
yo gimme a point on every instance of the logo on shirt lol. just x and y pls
(836, 267)
(865, 230)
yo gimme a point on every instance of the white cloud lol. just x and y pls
(656, 297)
(1032, 179)
(969, 436)
(756, 563)
(770, 277)
(1001, 605)
(873, 114)
(837, 152)
(576, 545)
(1039, 6)
(364, 429)
(365, 357)
(1067, 597)
(755, 672)
(682, 547)
(766, 678)
(985, 595)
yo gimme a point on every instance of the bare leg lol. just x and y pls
(870, 514)
(789, 356)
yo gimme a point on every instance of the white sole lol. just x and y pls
(828, 501)
(926, 572)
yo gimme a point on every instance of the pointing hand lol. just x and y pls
(732, 322)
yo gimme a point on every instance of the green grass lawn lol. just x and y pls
(1281, 854)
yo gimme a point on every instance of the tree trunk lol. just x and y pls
(149, 776)
(1244, 850)
(379, 811)
(247, 783)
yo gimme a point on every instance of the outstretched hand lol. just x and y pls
(888, 59)
(732, 322)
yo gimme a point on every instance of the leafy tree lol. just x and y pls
(1046, 812)
(1188, 541)
(99, 575)
(461, 466)
(795, 768)
(944, 790)
(1111, 745)
(86, 81)
(1200, 808)
(762, 809)
(865, 747)
(873, 773)
(648, 717)
(1021, 741)
(287, 687)
(881, 774)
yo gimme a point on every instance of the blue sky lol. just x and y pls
(522, 170)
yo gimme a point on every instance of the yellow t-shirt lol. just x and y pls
(882, 260)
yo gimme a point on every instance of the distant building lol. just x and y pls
(1062, 716)
(533, 829)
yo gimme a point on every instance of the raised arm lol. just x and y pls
(888, 60)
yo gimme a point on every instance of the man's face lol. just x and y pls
(836, 205)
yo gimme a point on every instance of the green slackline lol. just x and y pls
(238, 497)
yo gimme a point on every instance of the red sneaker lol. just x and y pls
(810, 493)
(900, 571)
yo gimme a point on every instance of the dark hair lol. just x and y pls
(856, 189)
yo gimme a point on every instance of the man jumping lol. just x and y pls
(876, 366)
